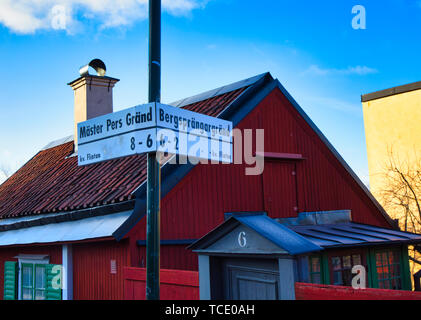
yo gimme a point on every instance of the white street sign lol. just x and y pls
(193, 145)
(182, 120)
(154, 127)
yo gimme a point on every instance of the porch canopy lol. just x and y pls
(56, 228)
(305, 235)
(352, 234)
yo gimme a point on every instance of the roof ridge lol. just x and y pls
(218, 91)
(184, 102)
(58, 142)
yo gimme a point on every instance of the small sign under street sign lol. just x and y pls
(154, 127)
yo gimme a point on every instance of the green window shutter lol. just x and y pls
(373, 281)
(10, 280)
(54, 281)
(325, 268)
(405, 270)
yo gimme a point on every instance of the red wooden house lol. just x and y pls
(91, 219)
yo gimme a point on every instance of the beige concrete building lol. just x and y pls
(392, 120)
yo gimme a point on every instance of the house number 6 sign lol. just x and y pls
(242, 240)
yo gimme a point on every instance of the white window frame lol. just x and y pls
(34, 260)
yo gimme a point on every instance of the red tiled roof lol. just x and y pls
(52, 181)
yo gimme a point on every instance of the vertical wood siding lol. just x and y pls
(92, 277)
(198, 203)
(279, 178)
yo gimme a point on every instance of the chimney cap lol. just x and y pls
(97, 64)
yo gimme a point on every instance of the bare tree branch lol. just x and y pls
(415, 260)
(401, 194)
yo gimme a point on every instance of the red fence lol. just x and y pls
(305, 291)
(175, 284)
(184, 285)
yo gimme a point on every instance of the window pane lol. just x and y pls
(27, 276)
(26, 294)
(40, 277)
(397, 272)
(389, 273)
(380, 274)
(315, 265)
(347, 277)
(392, 270)
(39, 295)
(396, 256)
(378, 259)
(356, 260)
(337, 278)
(346, 260)
(386, 272)
(385, 260)
(336, 263)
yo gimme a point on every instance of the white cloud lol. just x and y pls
(334, 104)
(30, 16)
(357, 70)
(182, 7)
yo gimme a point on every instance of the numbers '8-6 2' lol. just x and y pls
(149, 142)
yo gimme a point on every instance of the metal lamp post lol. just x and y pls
(154, 170)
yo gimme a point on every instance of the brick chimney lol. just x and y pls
(93, 94)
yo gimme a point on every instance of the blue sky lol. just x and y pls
(310, 46)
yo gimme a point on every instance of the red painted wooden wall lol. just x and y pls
(175, 284)
(305, 291)
(92, 276)
(317, 183)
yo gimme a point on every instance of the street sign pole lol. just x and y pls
(154, 170)
(134, 131)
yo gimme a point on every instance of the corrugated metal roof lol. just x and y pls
(53, 182)
(90, 228)
(268, 228)
(278, 234)
(11, 221)
(353, 234)
(218, 91)
(301, 239)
